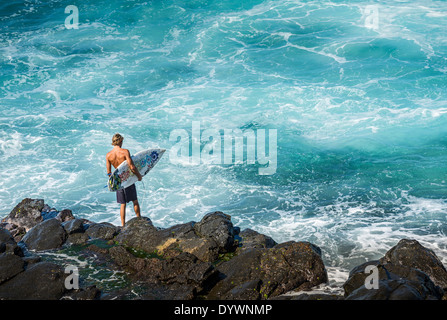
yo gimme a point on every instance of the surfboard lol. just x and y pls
(144, 160)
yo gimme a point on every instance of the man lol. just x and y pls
(114, 158)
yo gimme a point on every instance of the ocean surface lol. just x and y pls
(356, 91)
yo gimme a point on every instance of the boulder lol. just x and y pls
(77, 238)
(40, 281)
(252, 239)
(8, 244)
(73, 226)
(65, 215)
(16, 231)
(181, 277)
(396, 282)
(26, 214)
(412, 254)
(89, 293)
(139, 233)
(10, 265)
(47, 235)
(261, 273)
(217, 226)
(103, 230)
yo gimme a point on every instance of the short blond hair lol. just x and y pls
(117, 139)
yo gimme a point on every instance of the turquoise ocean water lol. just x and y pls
(360, 111)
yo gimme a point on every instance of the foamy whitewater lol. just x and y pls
(355, 90)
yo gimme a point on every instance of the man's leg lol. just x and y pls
(136, 207)
(123, 213)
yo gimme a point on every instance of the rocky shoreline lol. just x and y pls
(209, 260)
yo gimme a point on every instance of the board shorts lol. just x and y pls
(127, 194)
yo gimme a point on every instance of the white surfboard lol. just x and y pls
(144, 160)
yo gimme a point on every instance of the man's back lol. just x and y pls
(117, 156)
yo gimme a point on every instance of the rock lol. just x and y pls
(8, 244)
(26, 214)
(77, 238)
(261, 273)
(65, 215)
(73, 226)
(89, 293)
(309, 297)
(181, 277)
(396, 282)
(187, 270)
(16, 231)
(412, 254)
(103, 230)
(10, 265)
(40, 281)
(254, 239)
(139, 233)
(217, 226)
(48, 234)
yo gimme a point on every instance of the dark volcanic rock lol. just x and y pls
(412, 254)
(396, 282)
(8, 244)
(73, 226)
(217, 226)
(181, 277)
(253, 239)
(103, 230)
(26, 214)
(65, 215)
(260, 273)
(10, 265)
(48, 234)
(139, 233)
(41, 281)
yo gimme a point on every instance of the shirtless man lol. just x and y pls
(114, 158)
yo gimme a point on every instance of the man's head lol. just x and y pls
(117, 140)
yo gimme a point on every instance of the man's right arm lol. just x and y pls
(132, 166)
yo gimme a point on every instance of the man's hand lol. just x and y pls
(139, 177)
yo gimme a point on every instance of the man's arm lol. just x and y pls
(108, 165)
(132, 166)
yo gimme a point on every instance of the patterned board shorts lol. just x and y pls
(126, 195)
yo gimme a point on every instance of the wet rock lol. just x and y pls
(139, 233)
(253, 239)
(395, 282)
(40, 281)
(412, 254)
(217, 226)
(77, 238)
(73, 226)
(26, 214)
(16, 231)
(181, 277)
(103, 230)
(47, 235)
(261, 273)
(10, 266)
(89, 293)
(8, 243)
(65, 215)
